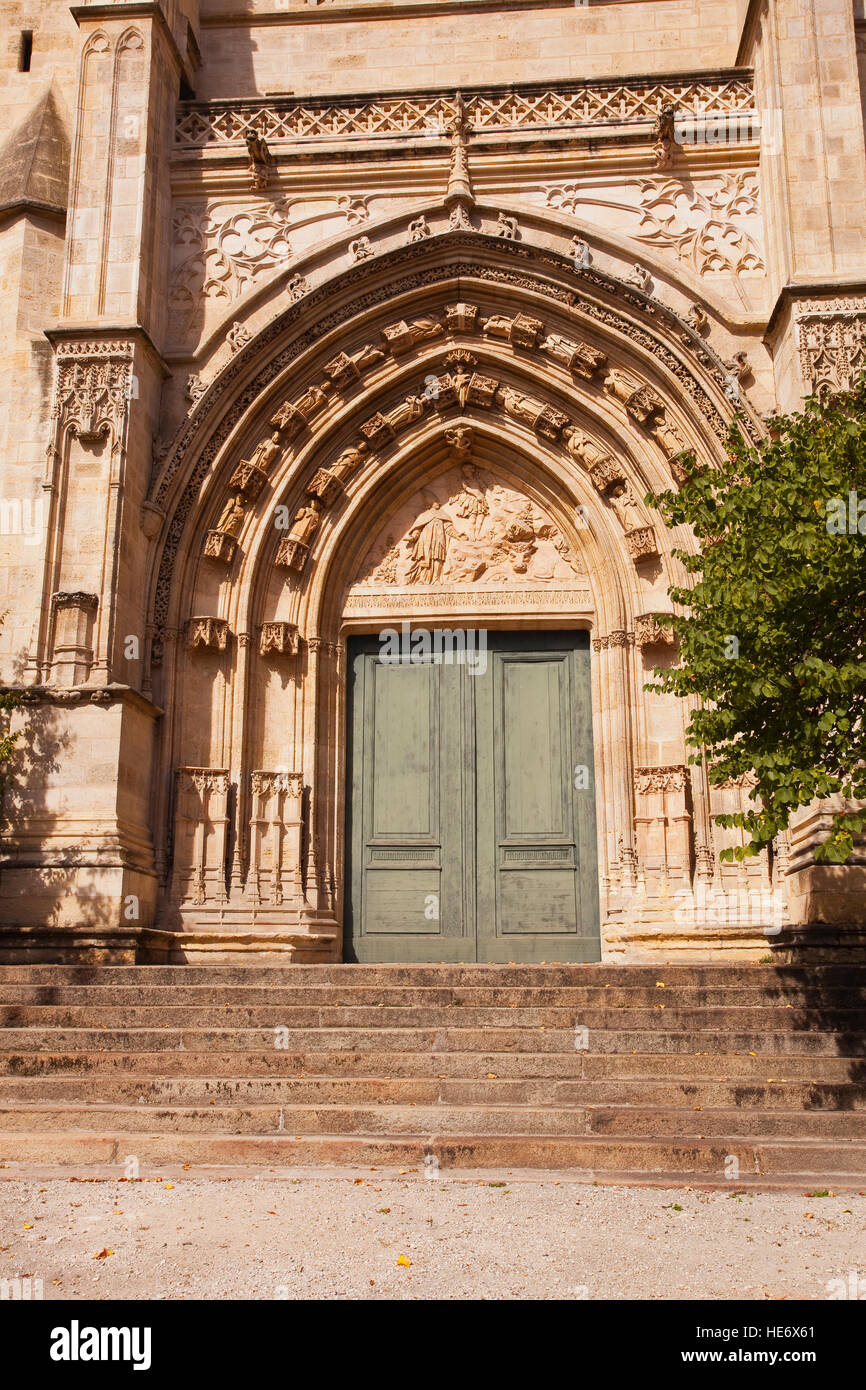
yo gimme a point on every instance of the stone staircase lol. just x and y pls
(712, 1073)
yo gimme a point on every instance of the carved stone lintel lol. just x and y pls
(207, 633)
(219, 546)
(651, 630)
(292, 554)
(278, 638)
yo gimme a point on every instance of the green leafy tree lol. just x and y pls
(772, 633)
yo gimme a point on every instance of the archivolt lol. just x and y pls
(279, 366)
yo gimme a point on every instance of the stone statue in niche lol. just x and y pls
(350, 459)
(265, 452)
(409, 410)
(625, 504)
(640, 538)
(306, 522)
(582, 448)
(466, 531)
(668, 436)
(295, 547)
(232, 516)
(251, 474)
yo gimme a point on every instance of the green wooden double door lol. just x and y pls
(471, 804)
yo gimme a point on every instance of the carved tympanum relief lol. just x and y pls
(465, 530)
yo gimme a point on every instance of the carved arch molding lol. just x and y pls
(634, 328)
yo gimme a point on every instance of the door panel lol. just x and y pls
(468, 837)
(406, 802)
(537, 890)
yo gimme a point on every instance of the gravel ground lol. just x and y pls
(495, 1236)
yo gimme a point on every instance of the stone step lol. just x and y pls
(687, 1067)
(442, 1039)
(661, 1017)
(812, 977)
(567, 996)
(816, 1161)
(414, 1119)
(431, 1090)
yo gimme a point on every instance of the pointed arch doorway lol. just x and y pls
(471, 815)
(471, 826)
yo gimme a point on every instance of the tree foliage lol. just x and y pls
(771, 636)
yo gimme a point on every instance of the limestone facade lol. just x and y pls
(281, 277)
